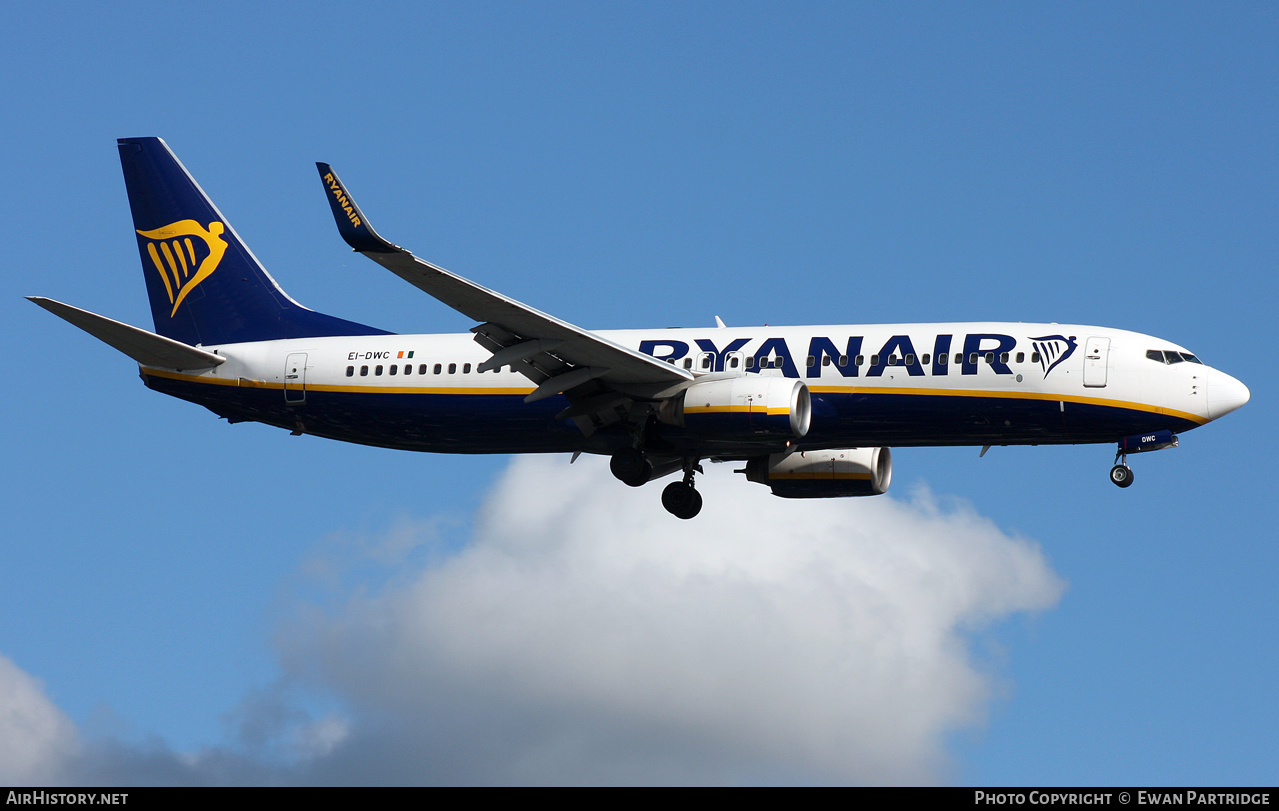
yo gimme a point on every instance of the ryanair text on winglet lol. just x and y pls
(339, 194)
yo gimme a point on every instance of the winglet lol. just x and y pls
(352, 224)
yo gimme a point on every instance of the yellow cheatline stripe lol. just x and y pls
(827, 475)
(1013, 395)
(214, 381)
(733, 409)
(522, 390)
(422, 389)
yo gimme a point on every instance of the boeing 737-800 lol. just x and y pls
(811, 412)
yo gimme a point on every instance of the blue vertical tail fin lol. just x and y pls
(205, 286)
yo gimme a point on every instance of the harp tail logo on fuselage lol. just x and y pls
(184, 254)
(1053, 349)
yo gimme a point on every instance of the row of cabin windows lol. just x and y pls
(423, 368)
(1170, 357)
(775, 363)
(860, 360)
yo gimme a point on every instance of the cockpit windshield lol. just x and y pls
(1170, 356)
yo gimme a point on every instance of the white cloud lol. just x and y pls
(36, 738)
(583, 635)
(587, 636)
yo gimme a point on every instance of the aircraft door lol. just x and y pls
(1096, 359)
(295, 378)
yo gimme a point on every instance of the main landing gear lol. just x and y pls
(631, 466)
(681, 499)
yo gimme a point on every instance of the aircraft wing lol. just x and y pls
(556, 355)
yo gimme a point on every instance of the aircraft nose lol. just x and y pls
(1225, 394)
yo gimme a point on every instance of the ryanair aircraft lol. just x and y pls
(811, 412)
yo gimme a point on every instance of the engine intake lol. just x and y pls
(824, 474)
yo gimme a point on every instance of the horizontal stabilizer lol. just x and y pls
(145, 347)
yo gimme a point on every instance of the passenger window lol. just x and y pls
(861, 359)
(1034, 357)
(364, 371)
(750, 362)
(990, 357)
(959, 357)
(910, 360)
(972, 359)
(377, 370)
(421, 369)
(732, 362)
(826, 360)
(395, 368)
(408, 368)
(438, 368)
(1003, 357)
(874, 360)
(1021, 357)
(843, 360)
(350, 371)
(892, 360)
(810, 361)
(925, 359)
(452, 368)
(941, 359)
(466, 368)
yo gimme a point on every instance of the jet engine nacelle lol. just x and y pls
(744, 407)
(824, 474)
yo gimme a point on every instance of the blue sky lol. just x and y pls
(187, 601)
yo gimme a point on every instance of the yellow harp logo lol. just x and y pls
(182, 263)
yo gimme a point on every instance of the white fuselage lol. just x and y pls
(961, 383)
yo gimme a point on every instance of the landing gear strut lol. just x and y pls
(681, 498)
(1121, 474)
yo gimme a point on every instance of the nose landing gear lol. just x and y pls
(1121, 475)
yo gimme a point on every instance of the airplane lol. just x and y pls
(809, 411)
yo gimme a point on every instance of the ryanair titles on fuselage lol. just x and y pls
(994, 350)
